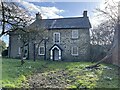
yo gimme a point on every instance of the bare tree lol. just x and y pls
(103, 34)
(13, 17)
(37, 35)
(111, 15)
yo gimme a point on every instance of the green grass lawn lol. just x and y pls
(14, 75)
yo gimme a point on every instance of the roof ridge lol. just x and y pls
(64, 18)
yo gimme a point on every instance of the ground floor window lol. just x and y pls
(19, 50)
(74, 51)
(41, 50)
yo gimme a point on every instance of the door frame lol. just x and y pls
(52, 52)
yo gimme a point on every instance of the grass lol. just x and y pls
(13, 74)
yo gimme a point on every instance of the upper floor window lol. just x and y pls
(56, 37)
(41, 50)
(74, 51)
(74, 34)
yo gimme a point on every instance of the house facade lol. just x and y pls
(66, 39)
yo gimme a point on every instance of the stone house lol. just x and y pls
(66, 39)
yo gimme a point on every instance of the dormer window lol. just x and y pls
(56, 37)
(74, 34)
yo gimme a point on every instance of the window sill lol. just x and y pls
(56, 42)
(41, 54)
(74, 38)
(74, 54)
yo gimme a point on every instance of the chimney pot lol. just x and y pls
(85, 14)
(38, 16)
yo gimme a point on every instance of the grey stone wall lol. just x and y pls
(14, 46)
(66, 43)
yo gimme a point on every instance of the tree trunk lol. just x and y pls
(96, 65)
(113, 52)
(3, 19)
(34, 52)
(22, 54)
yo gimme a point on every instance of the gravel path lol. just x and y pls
(52, 79)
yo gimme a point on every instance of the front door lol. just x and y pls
(55, 54)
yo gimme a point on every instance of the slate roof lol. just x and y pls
(65, 23)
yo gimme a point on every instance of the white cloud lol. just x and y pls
(51, 12)
(46, 12)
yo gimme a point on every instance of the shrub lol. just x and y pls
(4, 53)
(22, 78)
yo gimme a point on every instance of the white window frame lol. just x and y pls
(73, 50)
(73, 36)
(39, 50)
(19, 50)
(54, 37)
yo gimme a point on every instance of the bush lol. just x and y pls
(22, 78)
(4, 53)
(98, 52)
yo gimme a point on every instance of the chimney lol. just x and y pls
(38, 16)
(85, 14)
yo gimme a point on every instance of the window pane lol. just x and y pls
(74, 50)
(56, 37)
(41, 50)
